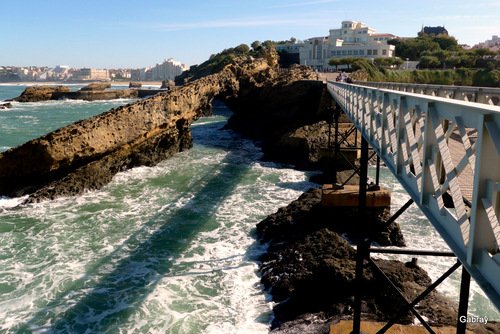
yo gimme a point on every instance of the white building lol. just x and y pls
(353, 39)
(493, 44)
(168, 70)
(88, 74)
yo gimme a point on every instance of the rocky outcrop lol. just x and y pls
(5, 106)
(96, 86)
(166, 84)
(272, 107)
(39, 93)
(310, 270)
(86, 154)
(96, 95)
(134, 85)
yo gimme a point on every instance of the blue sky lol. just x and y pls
(140, 33)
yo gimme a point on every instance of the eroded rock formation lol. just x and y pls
(96, 86)
(310, 270)
(86, 154)
(39, 93)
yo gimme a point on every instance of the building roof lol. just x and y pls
(435, 30)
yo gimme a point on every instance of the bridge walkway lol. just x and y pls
(443, 152)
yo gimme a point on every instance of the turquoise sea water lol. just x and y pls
(164, 249)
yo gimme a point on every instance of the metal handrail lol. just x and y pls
(486, 95)
(429, 143)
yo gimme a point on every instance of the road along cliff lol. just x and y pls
(85, 155)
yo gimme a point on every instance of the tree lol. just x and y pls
(242, 48)
(397, 62)
(255, 45)
(429, 62)
(347, 61)
(453, 61)
(446, 42)
(382, 61)
(360, 63)
(334, 62)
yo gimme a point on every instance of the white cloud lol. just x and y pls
(311, 20)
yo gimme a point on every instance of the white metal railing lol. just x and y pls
(486, 95)
(438, 148)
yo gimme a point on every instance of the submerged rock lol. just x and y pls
(5, 105)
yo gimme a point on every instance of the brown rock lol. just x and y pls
(96, 86)
(39, 93)
(134, 85)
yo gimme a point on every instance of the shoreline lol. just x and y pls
(65, 83)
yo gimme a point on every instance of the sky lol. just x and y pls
(135, 34)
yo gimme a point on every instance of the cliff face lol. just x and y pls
(270, 108)
(39, 93)
(86, 154)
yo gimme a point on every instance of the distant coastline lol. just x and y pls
(66, 83)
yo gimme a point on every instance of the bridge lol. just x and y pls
(445, 151)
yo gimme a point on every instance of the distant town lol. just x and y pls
(167, 70)
(320, 53)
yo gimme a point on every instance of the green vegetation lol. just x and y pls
(441, 61)
(458, 77)
(218, 61)
(443, 52)
(412, 48)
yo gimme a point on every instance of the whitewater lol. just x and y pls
(164, 249)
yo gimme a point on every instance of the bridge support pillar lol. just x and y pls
(464, 301)
(362, 243)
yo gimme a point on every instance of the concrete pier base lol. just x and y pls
(344, 327)
(349, 196)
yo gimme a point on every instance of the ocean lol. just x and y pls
(164, 249)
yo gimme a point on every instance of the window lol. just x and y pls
(344, 53)
(361, 52)
(333, 53)
(359, 32)
(345, 25)
(386, 38)
(349, 52)
(369, 53)
(364, 31)
(355, 52)
(384, 52)
(345, 31)
(339, 53)
(375, 39)
(374, 52)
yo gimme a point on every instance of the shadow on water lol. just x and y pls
(116, 296)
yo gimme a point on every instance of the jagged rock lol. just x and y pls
(96, 86)
(134, 85)
(5, 105)
(273, 105)
(306, 214)
(39, 93)
(91, 95)
(310, 270)
(85, 154)
(166, 84)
